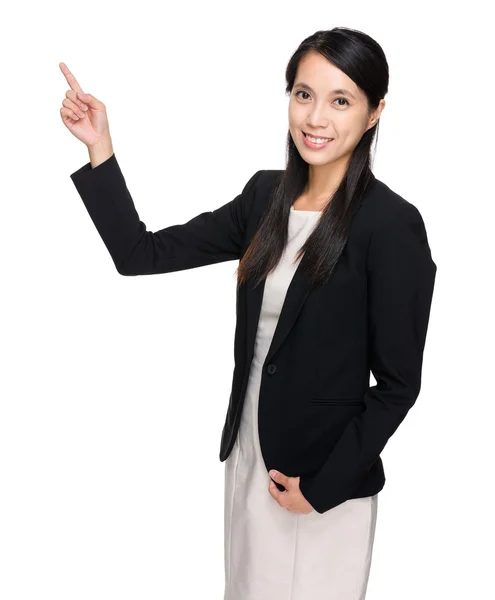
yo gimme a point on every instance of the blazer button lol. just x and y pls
(271, 368)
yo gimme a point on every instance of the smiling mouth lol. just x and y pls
(316, 137)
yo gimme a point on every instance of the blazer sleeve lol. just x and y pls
(208, 238)
(401, 276)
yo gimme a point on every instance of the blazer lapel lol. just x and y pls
(297, 292)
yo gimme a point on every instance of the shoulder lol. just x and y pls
(395, 230)
(384, 209)
(263, 184)
(267, 179)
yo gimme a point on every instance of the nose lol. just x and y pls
(317, 119)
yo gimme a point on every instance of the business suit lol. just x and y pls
(372, 314)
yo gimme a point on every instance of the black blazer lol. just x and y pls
(318, 416)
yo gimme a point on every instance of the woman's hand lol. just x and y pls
(292, 499)
(83, 114)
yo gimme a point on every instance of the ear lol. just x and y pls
(376, 114)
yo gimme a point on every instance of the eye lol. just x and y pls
(339, 98)
(302, 92)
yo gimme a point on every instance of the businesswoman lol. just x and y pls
(335, 280)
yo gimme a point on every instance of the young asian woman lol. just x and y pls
(335, 280)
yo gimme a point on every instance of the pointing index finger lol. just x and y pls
(71, 80)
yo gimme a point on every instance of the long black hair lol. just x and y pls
(362, 59)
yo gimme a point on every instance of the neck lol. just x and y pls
(323, 180)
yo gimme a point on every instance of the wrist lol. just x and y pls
(100, 152)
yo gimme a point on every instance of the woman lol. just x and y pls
(335, 278)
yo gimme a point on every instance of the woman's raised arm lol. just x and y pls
(208, 238)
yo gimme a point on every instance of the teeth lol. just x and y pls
(317, 140)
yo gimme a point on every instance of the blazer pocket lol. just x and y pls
(334, 401)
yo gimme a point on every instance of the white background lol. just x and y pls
(114, 389)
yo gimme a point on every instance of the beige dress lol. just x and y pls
(270, 552)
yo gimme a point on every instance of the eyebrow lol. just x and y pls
(337, 91)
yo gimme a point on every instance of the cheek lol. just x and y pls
(352, 129)
(294, 128)
(349, 135)
(296, 114)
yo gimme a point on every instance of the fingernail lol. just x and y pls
(273, 473)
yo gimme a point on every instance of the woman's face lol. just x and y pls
(322, 110)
